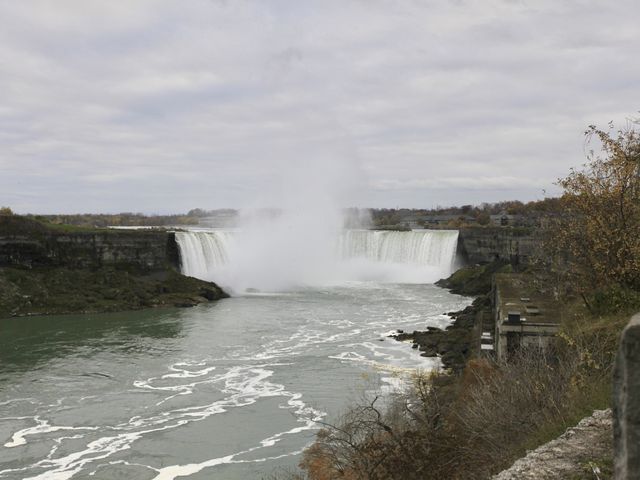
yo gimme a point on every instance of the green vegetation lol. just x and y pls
(476, 279)
(62, 290)
(596, 240)
(517, 214)
(602, 467)
(34, 227)
(126, 219)
(396, 228)
(71, 276)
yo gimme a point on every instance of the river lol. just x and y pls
(227, 390)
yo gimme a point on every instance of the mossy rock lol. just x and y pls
(474, 280)
(61, 290)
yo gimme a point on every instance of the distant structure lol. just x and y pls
(422, 221)
(503, 219)
(523, 318)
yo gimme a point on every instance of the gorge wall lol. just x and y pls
(27, 243)
(485, 244)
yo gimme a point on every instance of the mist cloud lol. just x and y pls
(165, 106)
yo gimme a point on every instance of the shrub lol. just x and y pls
(470, 426)
(596, 238)
(614, 299)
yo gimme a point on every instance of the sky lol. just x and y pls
(162, 106)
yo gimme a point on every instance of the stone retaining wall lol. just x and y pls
(626, 403)
(580, 452)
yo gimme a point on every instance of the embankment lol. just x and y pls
(456, 344)
(46, 269)
(460, 341)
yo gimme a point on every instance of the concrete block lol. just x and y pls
(626, 404)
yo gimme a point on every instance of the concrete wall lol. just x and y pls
(485, 244)
(626, 403)
(147, 250)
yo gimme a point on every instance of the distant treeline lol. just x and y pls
(511, 212)
(117, 220)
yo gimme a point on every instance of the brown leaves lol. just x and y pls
(599, 230)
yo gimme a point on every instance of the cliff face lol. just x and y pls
(60, 269)
(26, 243)
(486, 244)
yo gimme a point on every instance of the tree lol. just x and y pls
(483, 218)
(599, 228)
(5, 211)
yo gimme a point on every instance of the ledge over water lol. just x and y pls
(55, 269)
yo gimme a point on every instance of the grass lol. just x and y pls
(597, 397)
(476, 279)
(63, 228)
(595, 469)
(35, 227)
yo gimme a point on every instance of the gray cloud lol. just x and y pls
(163, 106)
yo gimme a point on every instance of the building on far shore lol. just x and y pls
(504, 219)
(524, 318)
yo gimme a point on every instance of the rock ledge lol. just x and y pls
(569, 454)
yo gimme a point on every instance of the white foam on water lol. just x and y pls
(20, 437)
(174, 471)
(180, 373)
(244, 385)
(18, 400)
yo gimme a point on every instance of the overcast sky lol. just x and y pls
(163, 106)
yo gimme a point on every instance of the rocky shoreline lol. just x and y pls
(456, 343)
(459, 341)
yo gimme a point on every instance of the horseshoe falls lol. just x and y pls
(421, 256)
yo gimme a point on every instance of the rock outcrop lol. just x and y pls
(28, 243)
(583, 451)
(514, 245)
(455, 344)
(55, 269)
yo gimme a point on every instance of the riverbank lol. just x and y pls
(460, 341)
(60, 290)
(481, 414)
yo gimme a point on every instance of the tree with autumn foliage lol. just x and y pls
(598, 233)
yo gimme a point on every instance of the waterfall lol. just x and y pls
(424, 247)
(419, 256)
(203, 253)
